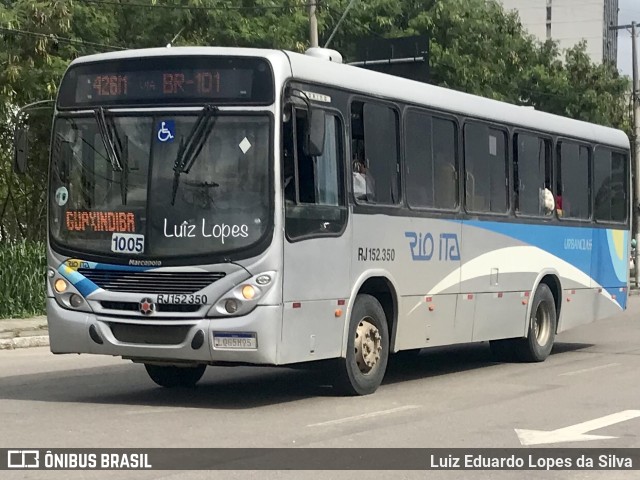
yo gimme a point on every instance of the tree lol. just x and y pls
(32, 66)
(475, 47)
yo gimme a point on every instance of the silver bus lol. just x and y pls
(225, 206)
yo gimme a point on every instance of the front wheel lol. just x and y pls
(170, 376)
(363, 369)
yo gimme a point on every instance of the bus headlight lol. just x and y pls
(60, 285)
(231, 306)
(248, 292)
(75, 300)
(244, 297)
(66, 294)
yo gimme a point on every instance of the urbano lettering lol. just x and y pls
(577, 244)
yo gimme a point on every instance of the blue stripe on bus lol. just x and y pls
(79, 281)
(605, 261)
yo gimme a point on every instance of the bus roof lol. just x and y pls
(382, 85)
(355, 79)
(167, 51)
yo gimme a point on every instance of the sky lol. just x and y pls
(629, 10)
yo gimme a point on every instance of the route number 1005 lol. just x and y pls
(127, 243)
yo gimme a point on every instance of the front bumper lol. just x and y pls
(165, 339)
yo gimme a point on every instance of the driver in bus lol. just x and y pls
(363, 183)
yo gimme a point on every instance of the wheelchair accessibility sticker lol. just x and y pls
(166, 131)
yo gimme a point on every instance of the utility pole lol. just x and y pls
(636, 142)
(313, 24)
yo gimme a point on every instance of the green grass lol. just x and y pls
(23, 268)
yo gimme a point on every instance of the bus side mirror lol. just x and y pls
(314, 138)
(20, 150)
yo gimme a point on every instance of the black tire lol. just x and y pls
(170, 376)
(355, 375)
(537, 346)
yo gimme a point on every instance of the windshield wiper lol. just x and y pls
(190, 149)
(116, 154)
(107, 139)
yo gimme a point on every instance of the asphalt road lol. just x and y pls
(453, 397)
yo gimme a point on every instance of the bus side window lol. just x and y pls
(313, 192)
(430, 152)
(610, 181)
(532, 174)
(376, 172)
(288, 161)
(573, 174)
(485, 158)
(298, 168)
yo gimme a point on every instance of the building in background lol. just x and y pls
(570, 21)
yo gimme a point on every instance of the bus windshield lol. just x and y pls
(133, 204)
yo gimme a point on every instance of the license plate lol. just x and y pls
(239, 341)
(181, 299)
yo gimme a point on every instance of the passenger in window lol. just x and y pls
(559, 205)
(445, 182)
(363, 182)
(547, 201)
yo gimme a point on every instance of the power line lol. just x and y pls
(551, 22)
(217, 7)
(364, 25)
(56, 38)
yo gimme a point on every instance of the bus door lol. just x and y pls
(317, 246)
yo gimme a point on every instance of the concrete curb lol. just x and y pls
(24, 342)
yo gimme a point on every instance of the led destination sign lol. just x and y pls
(157, 85)
(168, 80)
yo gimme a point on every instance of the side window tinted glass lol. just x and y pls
(610, 181)
(313, 193)
(430, 147)
(532, 175)
(573, 181)
(374, 145)
(485, 157)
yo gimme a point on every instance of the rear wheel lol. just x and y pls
(538, 343)
(363, 369)
(170, 376)
(542, 327)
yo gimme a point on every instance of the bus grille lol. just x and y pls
(150, 334)
(150, 282)
(160, 307)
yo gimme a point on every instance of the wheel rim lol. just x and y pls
(541, 321)
(368, 345)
